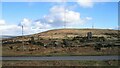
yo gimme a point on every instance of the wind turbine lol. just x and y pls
(64, 17)
(22, 31)
(23, 36)
(92, 25)
(65, 20)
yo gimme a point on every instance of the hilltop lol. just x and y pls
(61, 33)
(67, 33)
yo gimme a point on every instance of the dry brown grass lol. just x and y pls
(59, 33)
(60, 63)
(59, 51)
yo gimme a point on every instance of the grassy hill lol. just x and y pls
(14, 46)
(61, 33)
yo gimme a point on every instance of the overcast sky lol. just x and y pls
(42, 16)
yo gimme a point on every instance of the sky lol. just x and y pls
(42, 16)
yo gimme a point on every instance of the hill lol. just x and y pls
(63, 42)
(6, 36)
(61, 33)
(69, 33)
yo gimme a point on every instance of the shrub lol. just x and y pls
(66, 42)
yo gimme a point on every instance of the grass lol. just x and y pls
(61, 63)
(62, 52)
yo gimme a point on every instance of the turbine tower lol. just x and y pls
(92, 25)
(22, 37)
(64, 15)
(22, 30)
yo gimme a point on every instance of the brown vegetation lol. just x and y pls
(62, 42)
(61, 63)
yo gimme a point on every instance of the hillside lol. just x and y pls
(61, 33)
(63, 42)
(68, 33)
(6, 36)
